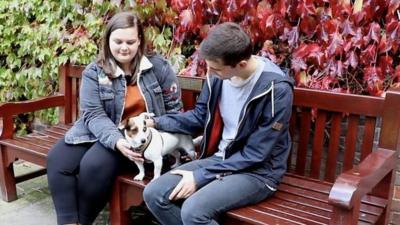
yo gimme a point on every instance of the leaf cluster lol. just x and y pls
(338, 45)
(39, 35)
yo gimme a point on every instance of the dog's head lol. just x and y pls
(136, 132)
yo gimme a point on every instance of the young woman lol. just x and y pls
(121, 83)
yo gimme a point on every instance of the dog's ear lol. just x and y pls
(130, 124)
(123, 124)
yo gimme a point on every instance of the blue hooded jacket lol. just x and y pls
(262, 143)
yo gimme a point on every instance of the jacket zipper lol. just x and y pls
(123, 105)
(208, 120)
(244, 115)
(141, 92)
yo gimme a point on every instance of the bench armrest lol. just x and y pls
(352, 185)
(14, 108)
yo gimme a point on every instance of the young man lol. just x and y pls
(244, 111)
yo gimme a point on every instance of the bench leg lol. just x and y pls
(7, 178)
(118, 215)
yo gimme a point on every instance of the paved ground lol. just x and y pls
(34, 205)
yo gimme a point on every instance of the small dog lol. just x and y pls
(154, 144)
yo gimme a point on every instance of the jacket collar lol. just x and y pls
(145, 64)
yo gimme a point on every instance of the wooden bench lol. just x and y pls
(336, 174)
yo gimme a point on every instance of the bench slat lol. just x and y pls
(50, 134)
(40, 142)
(318, 142)
(253, 215)
(333, 148)
(368, 138)
(25, 146)
(351, 140)
(305, 126)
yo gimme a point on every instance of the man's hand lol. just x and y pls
(186, 187)
(124, 147)
(149, 122)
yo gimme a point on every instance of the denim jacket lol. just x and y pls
(102, 100)
(262, 144)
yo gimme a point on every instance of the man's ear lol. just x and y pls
(243, 63)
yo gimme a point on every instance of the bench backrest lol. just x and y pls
(331, 132)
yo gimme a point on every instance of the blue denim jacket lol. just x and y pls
(102, 100)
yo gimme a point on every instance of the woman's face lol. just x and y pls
(124, 44)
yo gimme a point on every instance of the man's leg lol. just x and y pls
(157, 192)
(207, 204)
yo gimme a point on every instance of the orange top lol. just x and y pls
(134, 102)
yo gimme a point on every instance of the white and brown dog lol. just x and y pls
(154, 144)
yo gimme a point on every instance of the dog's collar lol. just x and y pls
(143, 147)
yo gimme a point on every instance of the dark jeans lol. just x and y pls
(80, 179)
(207, 203)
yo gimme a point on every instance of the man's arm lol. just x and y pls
(190, 122)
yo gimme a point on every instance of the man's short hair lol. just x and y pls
(227, 42)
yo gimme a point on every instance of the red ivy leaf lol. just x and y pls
(374, 33)
(348, 28)
(198, 9)
(374, 79)
(216, 7)
(179, 5)
(305, 49)
(231, 9)
(291, 35)
(280, 7)
(358, 39)
(352, 60)
(340, 8)
(393, 6)
(307, 52)
(397, 73)
(336, 45)
(186, 19)
(328, 82)
(384, 45)
(274, 25)
(335, 68)
(298, 64)
(306, 8)
(368, 56)
(308, 25)
(326, 29)
(392, 29)
(386, 62)
(248, 4)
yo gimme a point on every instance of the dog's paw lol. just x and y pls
(139, 177)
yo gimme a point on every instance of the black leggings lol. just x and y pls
(80, 179)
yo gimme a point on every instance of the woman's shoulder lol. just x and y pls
(157, 60)
(92, 69)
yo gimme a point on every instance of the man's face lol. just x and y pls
(219, 69)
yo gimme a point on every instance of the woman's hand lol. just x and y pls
(124, 147)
